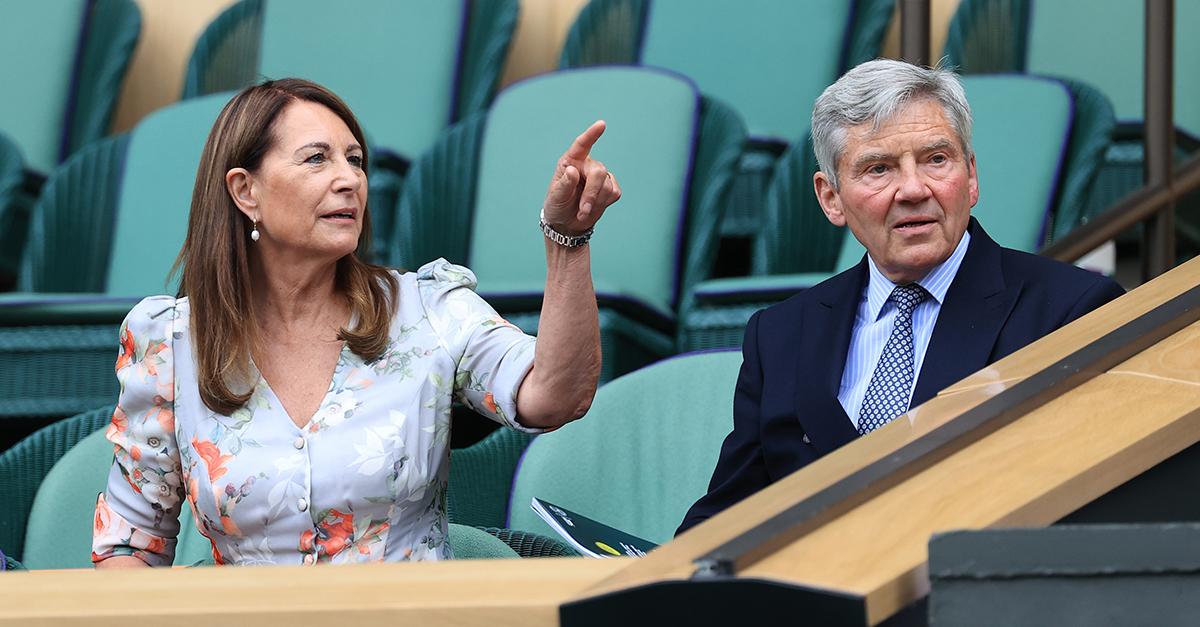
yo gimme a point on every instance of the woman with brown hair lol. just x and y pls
(297, 397)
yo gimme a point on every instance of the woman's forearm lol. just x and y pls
(566, 367)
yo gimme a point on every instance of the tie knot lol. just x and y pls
(907, 297)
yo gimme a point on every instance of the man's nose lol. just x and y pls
(912, 187)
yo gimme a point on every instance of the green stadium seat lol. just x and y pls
(799, 248)
(104, 234)
(642, 455)
(769, 60)
(67, 59)
(1101, 43)
(473, 198)
(413, 68)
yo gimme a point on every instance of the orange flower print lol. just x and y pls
(228, 526)
(212, 458)
(332, 534)
(163, 414)
(151, 359)
(120, 422)
(489, 401)
(155, 544)
(103, 517)
(127, 349)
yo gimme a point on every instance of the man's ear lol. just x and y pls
(240, 185)
(827, 195)
(973, 181)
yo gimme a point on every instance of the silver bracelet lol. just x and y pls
(570, 241)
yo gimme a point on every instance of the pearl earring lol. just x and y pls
(254, 232)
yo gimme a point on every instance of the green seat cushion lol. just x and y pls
(768, 59)
(39, 42)
(649, 143)
(155, 196)
(642, 455)
(398, 70)
(1102, 43)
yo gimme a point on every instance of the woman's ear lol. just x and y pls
(240, 185)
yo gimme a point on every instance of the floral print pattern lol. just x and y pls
(363, 480)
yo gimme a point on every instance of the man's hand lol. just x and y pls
(582, 188)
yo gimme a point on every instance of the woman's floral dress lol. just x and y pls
(364, 480)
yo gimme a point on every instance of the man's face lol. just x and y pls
(906, 190)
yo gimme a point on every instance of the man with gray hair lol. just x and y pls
(932, 301)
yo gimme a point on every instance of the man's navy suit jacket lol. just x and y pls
(786, 411)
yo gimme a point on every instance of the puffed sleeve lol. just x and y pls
(138, 514)
(492, 355)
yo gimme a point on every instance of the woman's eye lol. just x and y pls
(355, 160)
(317, 158)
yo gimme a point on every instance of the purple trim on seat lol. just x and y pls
(85, 27)
(628, 306)
(459, 60)
(639, 49)
(686, 202)
(1060, 170)
(848, 36)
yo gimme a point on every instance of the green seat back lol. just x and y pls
(59, 532)
(1102, 42)
(156, 195)
(1021, 131)
(397, 72)
(768, 59)
(470, 543)
(649, 144)
(642, 455)
(39, 42)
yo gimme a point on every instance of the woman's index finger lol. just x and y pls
(583, 144)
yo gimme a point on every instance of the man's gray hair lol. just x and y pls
(874, 92)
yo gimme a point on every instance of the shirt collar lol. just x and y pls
(937, 282)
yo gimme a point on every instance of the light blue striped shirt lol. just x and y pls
(874, 322)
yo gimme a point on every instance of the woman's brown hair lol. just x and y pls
(214, 261)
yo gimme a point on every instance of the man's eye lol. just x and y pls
(938, 158)
(317, 158)
(877, 169)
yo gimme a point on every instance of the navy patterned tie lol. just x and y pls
(887, 394)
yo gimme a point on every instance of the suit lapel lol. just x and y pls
(825, 339)
(977, 305)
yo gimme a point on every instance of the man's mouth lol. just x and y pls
(913, 224)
